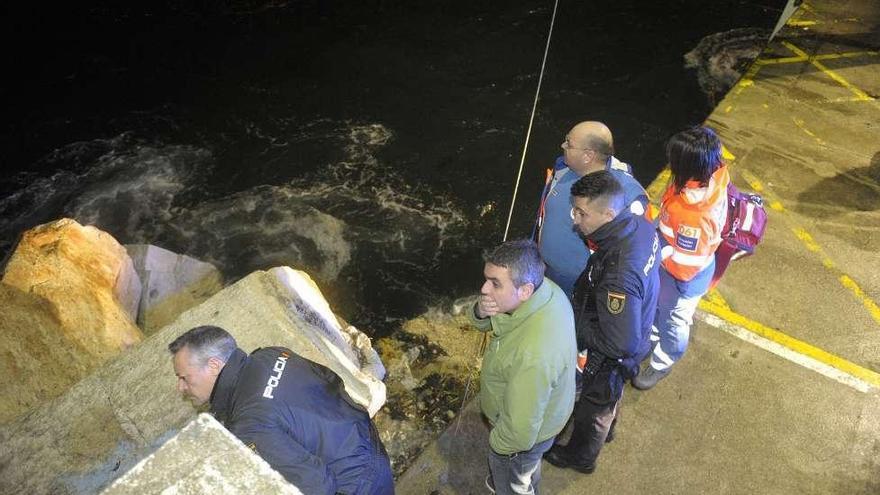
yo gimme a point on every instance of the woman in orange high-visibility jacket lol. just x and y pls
(692, 214)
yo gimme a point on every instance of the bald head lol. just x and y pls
(587, 147)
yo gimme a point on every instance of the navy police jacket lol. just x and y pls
(561, 246)
(615, 298)
(294, 414)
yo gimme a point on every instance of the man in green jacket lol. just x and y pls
(528, 372)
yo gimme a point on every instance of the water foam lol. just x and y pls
(354, 209)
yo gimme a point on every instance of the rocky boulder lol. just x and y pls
(67, 303)
(170, 284)
(433, 368)
(107, 422)
(87, 278)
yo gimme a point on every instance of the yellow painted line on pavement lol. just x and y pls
(801, 23)
(832, 56)
(800, 123)
(861, 95)
(805, 58)
(747, 80)
(810, 243)
(781, 60)
(656, 188)
(789, 347)
(857, 291)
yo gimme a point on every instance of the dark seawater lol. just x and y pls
(374, 144)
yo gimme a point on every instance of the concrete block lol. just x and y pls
(170, 284)
(107, 422)
(204, 457)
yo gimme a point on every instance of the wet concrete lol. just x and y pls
(804, 128)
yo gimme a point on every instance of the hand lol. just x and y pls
(486, 307)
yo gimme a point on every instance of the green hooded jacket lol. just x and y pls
(527, 377)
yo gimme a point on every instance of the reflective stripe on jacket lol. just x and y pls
(690, 223)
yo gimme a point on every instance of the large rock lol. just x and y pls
(433, 366)
(202, 458)
(32, 343)
(170, 284)
(66, 303)
(87, 278)
(108, 421)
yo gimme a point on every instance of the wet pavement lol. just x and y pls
(779, 391)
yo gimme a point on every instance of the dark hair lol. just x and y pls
(693, 154)
(205, 342)
(601, 184)
(523, 260)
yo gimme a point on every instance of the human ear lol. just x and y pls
(215, 365)
(525, 291)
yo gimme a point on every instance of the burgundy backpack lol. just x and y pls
(743, 230)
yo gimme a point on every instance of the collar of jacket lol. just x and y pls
(221, 396)
(609, 234)
(696, 195)
(504, 323)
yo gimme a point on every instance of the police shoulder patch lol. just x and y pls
(616, 302)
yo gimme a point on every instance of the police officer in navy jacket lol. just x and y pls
(614, 302)
(292, 412)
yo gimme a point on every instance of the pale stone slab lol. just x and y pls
(171, 283)
(84, 439)
(204, 457)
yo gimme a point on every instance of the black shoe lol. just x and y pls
(559, 459)
(649, 377)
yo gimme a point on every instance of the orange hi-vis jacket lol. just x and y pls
(690, 222)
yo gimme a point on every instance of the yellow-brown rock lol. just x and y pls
(68, 302)
(32, 346)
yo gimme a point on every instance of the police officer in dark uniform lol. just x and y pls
(614, 302)
(294, 413)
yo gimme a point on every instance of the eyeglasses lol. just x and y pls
(566, 145)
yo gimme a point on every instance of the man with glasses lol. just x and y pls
(588, 147)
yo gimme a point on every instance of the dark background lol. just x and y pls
(262, 103)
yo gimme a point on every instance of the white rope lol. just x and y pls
(482, 347)
(522, 160)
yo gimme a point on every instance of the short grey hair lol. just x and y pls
(205, 342)
(521, 258)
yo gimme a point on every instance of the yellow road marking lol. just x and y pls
(747, 79)
(810, 243)
(801, 23)
(656, 188)
(798, 346)
(805, 58)
(861, 95)
(800, 123)
(857, 291)
(781, 60)
(831, 56)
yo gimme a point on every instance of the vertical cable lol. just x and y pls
(531, 121)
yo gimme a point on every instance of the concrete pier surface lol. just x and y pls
(779, 392)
